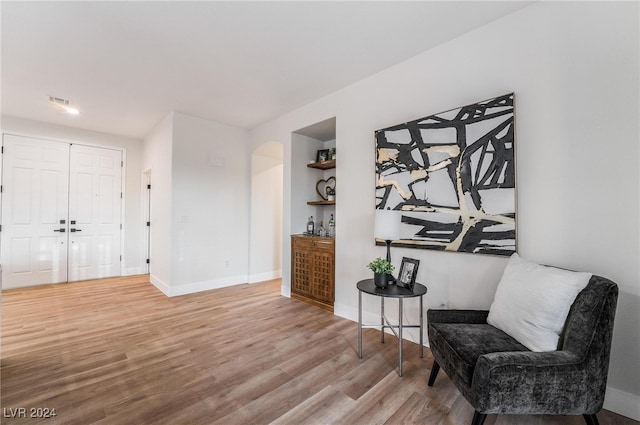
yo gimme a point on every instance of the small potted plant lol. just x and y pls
(381, 271)
(332, 153)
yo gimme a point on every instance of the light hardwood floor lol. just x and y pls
(117, 351)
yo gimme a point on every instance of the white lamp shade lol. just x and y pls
(387, 225)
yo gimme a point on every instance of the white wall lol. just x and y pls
(199, 204)
(265, 246)
(574, 69)
(156, 158)
(211, 192)
(132, 226)
(303, 181)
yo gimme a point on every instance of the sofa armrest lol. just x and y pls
(457, 316)
(530, 382)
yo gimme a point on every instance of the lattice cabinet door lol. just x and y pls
(313, 270)
(322, 284)
(301, 267)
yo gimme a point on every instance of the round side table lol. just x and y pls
(390, 291)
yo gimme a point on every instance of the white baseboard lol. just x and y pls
(163, 287)
(622, 403)
(190, 288)
(345, 311)
(351, 313)
(261, 277)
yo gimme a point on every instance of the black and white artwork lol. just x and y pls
(452, 175)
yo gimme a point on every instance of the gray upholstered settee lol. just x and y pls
(497, 374)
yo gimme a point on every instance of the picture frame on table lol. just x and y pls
(408, 272)
(322, 155)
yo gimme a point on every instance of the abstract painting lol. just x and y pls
(452, 175)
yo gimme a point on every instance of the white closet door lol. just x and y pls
(34, 211)
(95, 184)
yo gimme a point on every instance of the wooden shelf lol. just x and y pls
(321, 202)
(324, 165)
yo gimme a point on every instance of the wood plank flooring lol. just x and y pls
(118, 351)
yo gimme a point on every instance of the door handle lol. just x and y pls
(75, 230)
(61, 230)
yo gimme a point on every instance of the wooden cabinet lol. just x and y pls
(313, 270)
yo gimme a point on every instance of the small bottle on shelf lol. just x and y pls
(310, 226)
(331, 227)
(321, 229)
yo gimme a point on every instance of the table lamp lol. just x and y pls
(387, 227)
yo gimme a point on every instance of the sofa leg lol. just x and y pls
(478, 418)
(434, 372)
(591, 419)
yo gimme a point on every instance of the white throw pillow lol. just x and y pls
(532, 302)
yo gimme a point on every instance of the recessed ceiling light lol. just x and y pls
(63, 104)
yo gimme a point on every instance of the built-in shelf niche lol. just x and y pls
(306, 172)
